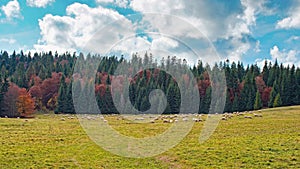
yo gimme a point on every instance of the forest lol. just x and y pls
(43, 82)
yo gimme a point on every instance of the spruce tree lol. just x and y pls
(258, 102)
(228, 103)
(69, 107)
(235, 104)
(277, 101)
(61, 100)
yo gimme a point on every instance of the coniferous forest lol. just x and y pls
(44, 81)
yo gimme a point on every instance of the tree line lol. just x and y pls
(47, 81)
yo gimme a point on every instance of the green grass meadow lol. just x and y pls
(48, 141)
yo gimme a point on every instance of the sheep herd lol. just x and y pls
(146, 118)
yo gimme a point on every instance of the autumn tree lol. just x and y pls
(25, 104)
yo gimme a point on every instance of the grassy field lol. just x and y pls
(47, 141)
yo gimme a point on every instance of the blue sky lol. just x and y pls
(246, 30)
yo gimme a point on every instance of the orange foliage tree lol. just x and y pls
(25, 104)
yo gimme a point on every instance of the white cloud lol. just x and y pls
(293, 38)
(257, 47)
(215, 20)
(164, 43)
(239, 49)
(104, 1)
(119, 3)
(12, 10)
(292, 21)
(8, 40)
(285, 57)
(82, 23)
(261, 62)
(39, 3)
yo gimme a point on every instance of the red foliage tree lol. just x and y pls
(265, 96)
(49, 88)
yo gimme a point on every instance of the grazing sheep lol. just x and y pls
(166, 121)
(185, 119)
(240, 114)
(63, 119)
(90, 118)
(224, 118)
(258, 115)
(197, 120)
(248, 117)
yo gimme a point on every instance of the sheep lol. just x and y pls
(89, 118)
(248, 117)
(63, 119)
(224, 118)
(258, 115)
(197, 120)
(166, 121)
(185, 119)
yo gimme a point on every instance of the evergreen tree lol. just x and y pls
(69, 107)
(258, 102)
(235, 104)
(228, 104)
(266, 72)
(61, 100)
(206, 102)
(274, 92)
(277, 101)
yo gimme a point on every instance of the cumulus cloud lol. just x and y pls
(285, 57)
(39, 3)
(80, 26)
(293, 19)
(216, 20)
(12, 10)
(119, 3)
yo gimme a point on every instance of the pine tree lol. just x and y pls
(4, 85)
(235, 104)
(274, 92)
(61, 100)
(228, 104)
(266, 72)
(206, 101)
(277, 101)
(258, 102)
(69, 107)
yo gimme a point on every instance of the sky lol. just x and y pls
(250, 31)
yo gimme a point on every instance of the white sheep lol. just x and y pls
(248, 117)
(258, 115)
